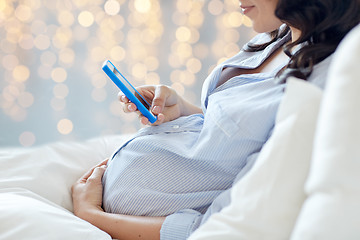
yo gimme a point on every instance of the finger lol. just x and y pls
(97, 174)
(122, 98)
(144, 120)
(104, 162)
(169, 114)
(159, 100)
(88, 173)
(160, 119)
(129, 107)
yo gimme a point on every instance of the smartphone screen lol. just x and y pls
(128, 85)
(130, 92)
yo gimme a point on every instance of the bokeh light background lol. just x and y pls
(51, 51)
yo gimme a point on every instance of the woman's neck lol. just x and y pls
(295, 34)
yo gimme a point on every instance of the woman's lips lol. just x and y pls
(246, 9)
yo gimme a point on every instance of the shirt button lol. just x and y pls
(176, 126)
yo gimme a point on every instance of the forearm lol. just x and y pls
(125, 226)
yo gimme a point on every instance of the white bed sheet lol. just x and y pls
(35, 188)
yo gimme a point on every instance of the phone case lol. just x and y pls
(128, 93)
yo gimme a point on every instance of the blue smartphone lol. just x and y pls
(130, 92)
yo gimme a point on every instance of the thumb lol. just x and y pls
(97, 174)
(161, 95)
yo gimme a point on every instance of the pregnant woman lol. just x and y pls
(171, 176)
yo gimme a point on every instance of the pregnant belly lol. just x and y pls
(157, 179)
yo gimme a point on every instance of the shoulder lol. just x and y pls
(344, 56)
(320, 72)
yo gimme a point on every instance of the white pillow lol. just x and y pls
(50, 170)
(266, 202)
(25, 215)
(35, 189)
(332, 210)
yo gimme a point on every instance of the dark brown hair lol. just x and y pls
(323, 24)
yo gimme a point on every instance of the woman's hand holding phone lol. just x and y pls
(165, 103)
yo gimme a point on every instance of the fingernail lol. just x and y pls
(161, 117)
(144, 121)
(156, 110)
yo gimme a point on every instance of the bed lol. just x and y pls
(305, 184)
(35, 188)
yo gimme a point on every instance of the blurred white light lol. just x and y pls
(59, 74)
(42, 42)
(112, 7)
(23, 13)
(27, 139)
(21, 73)
(61, 91)
(65, 126)
(26, 41)
(142, 6)
(86, 18)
